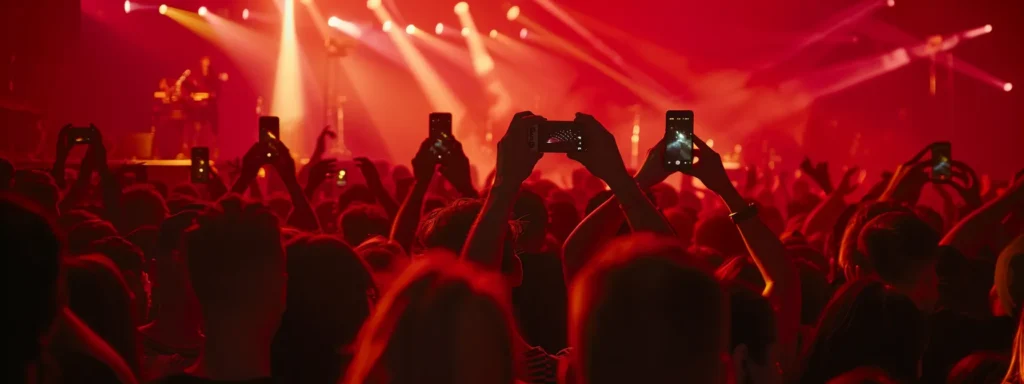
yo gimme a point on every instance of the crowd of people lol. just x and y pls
(427, 276)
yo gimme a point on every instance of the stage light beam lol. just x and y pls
(512, 13)
(202, 11)
(373, 4)
(410, 29)
(288, 103)
(439, 29)
(334, 22)
(523, 33)
(162, 9)
(988, 28)
(1007, 87)
(465, 32)
(127, 6)
(461, 7)
(493, 34)
(891, 3)
(245, 14)
(386, 26)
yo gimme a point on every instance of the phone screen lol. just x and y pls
(80, 135)
(679, 139)
(340, 178)
(440, 123)
(270, 128)
(200, 164)
(941, 156)
(557, 137)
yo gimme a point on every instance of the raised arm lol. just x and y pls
(61, 157)
(455, 168)
(376, 186)
(971, 234)
(782, 282)
(824, 216)
(318, 173)
(403, 229)
(515, 163)
(302, 216)
(601, 224)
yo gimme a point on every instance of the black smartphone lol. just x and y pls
(942, 169)
(340, 179)
(441, 133)
(552, 136)
(81, 135)
(270, 130)
(200, 165)
(679, 139)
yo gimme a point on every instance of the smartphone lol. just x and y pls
(270, 130)
(679, 139)
(340, 180)
(942, 170)
(553, 136)
(200, 165)
(441, 133)
(81, 135)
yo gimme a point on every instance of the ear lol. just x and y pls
(740, 355)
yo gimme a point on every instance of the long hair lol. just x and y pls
(1015, 375)
(442, 322)
(865, 324)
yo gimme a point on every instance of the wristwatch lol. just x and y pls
(744, 214)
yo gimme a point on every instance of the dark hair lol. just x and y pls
(234, 254)
(645, 311)
(327, 301)
(717, 231)
(848, 255)
(531, 213)
(865, 324)
(185, 190)
(100, 297)
(980, 368)
(931, 217)
(447, 228)
(815, 291)
(327, 213)
(896, 245)
(753, 322)
(141, 205)
(38, 187)
(563, 218)
(32, 250)
(129, 261)
(363, 221)
(85, 233)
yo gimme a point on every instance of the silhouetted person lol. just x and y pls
(100, 297)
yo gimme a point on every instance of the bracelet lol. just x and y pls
(744, 214)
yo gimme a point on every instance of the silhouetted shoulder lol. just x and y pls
(187, 379)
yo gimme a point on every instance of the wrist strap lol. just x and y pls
(747, 213)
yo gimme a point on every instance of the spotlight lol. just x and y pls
(410, 29)
(461, 7)
(1007, 87)
(306, 2)
(334, 22)
(245, 14)
(465, 32)
(387, 26)
(988, 27)
(522, 33)
(890, 3)
(373, 4)
(494, 33)
(202, 11)
(512, 13)
(439, 28)
(162, 9)
(127, 6)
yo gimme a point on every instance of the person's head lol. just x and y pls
(865, 324)
(443, 321)
(753, 337)
(665, 196)
(901, 249)
(643, 310)
(363, 221)
(129, 261)
(329, 297)
(385, 258)
(171, 290)
(32, 251)
(931, 217)
(985, 367)
(186, 190)
(849, 258)
(717, 231)
(141, 205)
(327, 212)
(69, 219)
(1009, 277)
(37, 187)
(236, 265)
(447, 228)
(532, 215)
(355, 193)
(85, 233)
(815, 291)
(281, 205)
(563, 219)
(100, 297)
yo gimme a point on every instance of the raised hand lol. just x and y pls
(653, 171)
(368, 169)
(819, 173)
(424, 164)
(848, 185)
(320, 172)
(63, 147)
(515, 158)
(602, 156)
(283, 162)
(708, 168)
(96, 155)
(321, 140)
(908, 179)
(455, 168)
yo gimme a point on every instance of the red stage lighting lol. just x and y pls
(245, 14)
(465, 32)
(890, 3)
(410, 29)
(494, 34)
(386, 26)
(512, 13)
(1007, 87)
(127, 6)
(522, 33)
(461, 7)
(162, 9)
(202, 11)
(439, 29)
(334, 21)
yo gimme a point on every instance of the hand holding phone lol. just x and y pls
(340, 179)
(551, 136)
(82, 135)
(200, 165)
(942, 167)
(270, 131)
(441, 134)
(679, 140)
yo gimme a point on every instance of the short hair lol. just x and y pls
(234, 255)
(83, 234)
(448, 227)
(865, 324)
(98, 294)
(37, 186)
(362, 221)
(32, 251)
(125, 255)
(444, 321)
(141, 205)
(848, 255)
(678, 330)
(896, 245)
(753, 322)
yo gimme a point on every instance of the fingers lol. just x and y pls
(521, 115)
(702, 146)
